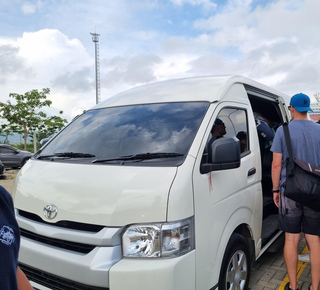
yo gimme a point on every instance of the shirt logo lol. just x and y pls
(7, 235)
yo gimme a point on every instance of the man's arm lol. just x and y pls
(23, 282)
(275, 174)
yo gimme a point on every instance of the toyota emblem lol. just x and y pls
(50, 211)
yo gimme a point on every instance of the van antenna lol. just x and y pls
(95, 39)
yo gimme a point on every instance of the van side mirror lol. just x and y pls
(225, 155)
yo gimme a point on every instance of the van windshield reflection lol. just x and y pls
(137, 132)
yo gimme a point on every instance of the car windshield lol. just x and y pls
(135, 133)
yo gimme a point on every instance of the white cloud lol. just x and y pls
(176, 66)
(130, 70)
(47, 58)
(28, 8)
(239, 25)
(54, 59)
(276, 43)
(10, 63)
(145, 35)
(205, 3)
(31, 8)
(48, 44)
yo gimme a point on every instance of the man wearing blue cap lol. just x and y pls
(295, 218)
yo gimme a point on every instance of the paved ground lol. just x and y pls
(269, 271)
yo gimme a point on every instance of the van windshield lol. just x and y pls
(138, 133)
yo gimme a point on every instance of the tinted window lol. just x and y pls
(129, 130)
(235, 120)
(236, 125)
(6, 151)
(232, 123)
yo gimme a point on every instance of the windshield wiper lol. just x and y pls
(142, 156)
(67, 155)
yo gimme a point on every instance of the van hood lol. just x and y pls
(96, 194)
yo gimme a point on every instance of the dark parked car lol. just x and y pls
(45, 140)
(13, 157)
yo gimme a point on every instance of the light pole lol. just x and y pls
(95, 39)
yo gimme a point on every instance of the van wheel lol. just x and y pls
(236, 265)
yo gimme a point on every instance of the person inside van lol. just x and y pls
(265, 131)
(218, 130)
(242, 136)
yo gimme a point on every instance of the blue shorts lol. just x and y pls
(295, 218)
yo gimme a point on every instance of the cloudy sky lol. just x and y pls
(47, 44)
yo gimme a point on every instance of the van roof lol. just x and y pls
(206, 88)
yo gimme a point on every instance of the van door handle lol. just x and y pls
(252, 171)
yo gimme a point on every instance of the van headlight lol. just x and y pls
(165, 240)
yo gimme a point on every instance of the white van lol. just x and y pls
(125, 197)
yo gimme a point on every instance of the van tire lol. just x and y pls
(237, 253)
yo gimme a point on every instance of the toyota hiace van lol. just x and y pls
(127, 196)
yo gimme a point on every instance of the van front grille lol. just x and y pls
(62, 224)
(54, 282)
(72, 246)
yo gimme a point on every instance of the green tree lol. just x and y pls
(8, 130)
(25, 112)
(48, 127)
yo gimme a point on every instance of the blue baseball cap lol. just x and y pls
(301, 102)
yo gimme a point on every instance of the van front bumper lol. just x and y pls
(153, 273)
(93, 271)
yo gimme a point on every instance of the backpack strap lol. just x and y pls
(289, 147)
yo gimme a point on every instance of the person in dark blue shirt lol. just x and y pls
(265, 131)
(11, 276)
